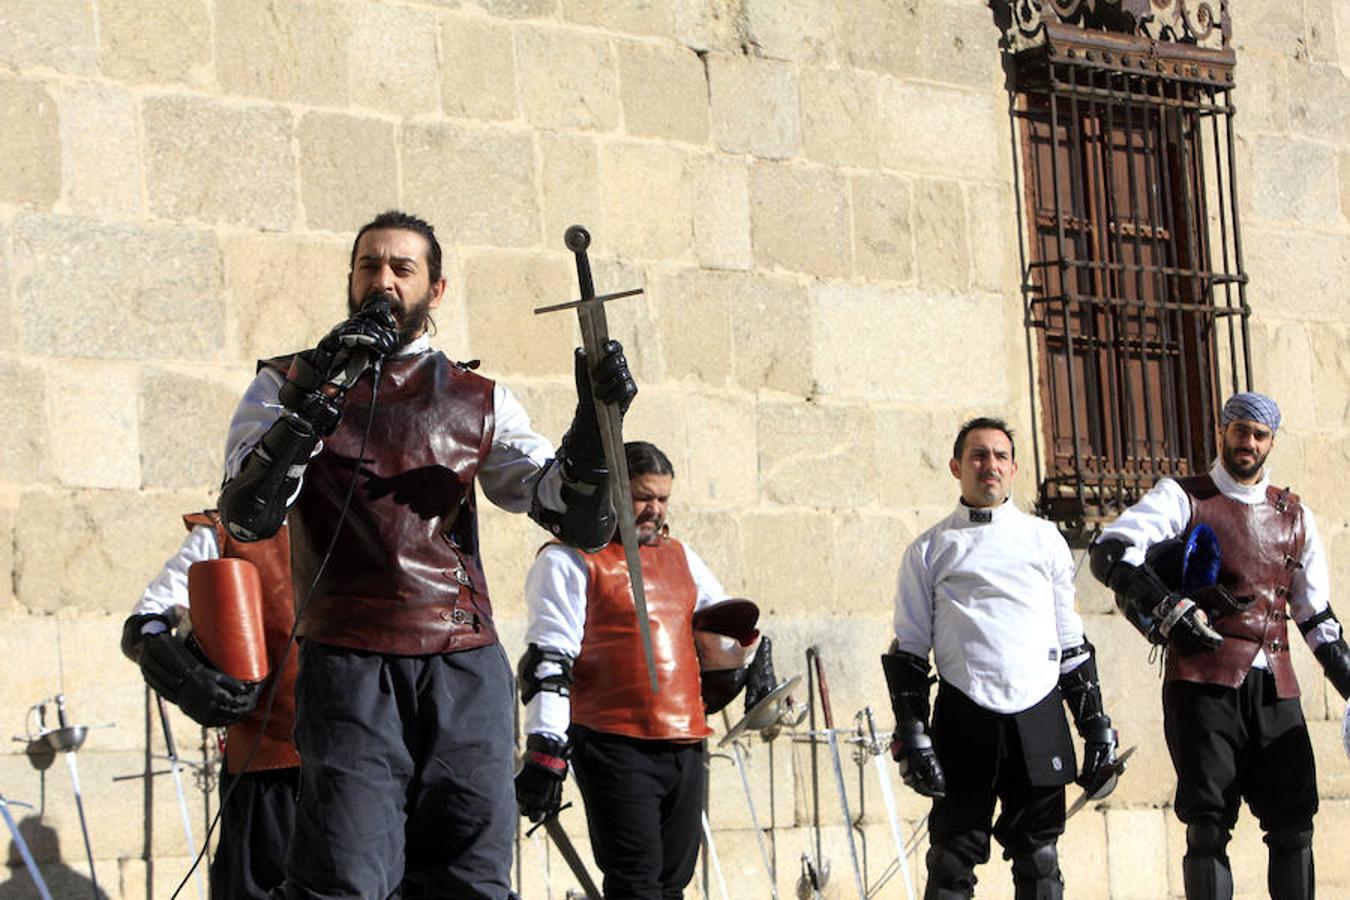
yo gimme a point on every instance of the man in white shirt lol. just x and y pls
(1231, 713)
(638, 756)
(373, 446)
(989, 590)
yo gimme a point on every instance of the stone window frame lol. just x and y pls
(1133, 286)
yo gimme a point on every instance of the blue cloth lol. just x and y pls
(1202, 558)
(1253, 407)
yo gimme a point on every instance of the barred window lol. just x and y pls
(1133, 287)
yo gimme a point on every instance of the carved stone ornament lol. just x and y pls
(1200, 23)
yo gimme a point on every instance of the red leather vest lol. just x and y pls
(272, 558)
(1259, 547)
(610, 690)
(404, 577)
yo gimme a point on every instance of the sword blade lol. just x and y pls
(893, 817)
(712, 856)
(24, 852)
(848, 816)
(175, 769)
(1117, 768)
(571, 857)
(754, 820)
(84, 825)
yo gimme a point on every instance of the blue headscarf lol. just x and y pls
(1251, 406)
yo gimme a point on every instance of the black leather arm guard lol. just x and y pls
(1159, 613)
(1083, 692)
(588, 518)
(531, 682)
(588, 521)
(253, 503)
(759, 676)
(907, 682)
(1335, 659)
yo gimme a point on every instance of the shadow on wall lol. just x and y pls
(62, 881)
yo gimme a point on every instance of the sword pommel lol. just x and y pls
(577, 239)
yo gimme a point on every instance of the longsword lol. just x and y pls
(594, 334)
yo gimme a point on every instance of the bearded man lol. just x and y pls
(638, 756)
(371, 445)
(1231, 711)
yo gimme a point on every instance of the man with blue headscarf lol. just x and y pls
(1231, 710)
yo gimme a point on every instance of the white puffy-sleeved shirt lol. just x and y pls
(555, 601)
(517, 465)
(1165, 511)
(170, 586)
(990, 592)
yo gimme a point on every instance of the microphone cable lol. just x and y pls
(377, 367)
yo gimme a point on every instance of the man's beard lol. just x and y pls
(412, 320)
(652, 537)
(1239, 469)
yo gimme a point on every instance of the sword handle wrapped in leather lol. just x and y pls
(227, 619)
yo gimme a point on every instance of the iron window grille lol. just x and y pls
(1134, 294)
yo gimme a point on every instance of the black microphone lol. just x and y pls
(378, 306)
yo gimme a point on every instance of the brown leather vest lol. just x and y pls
(1259, 547)
(404, 577)
(610, 689)
(272, 558)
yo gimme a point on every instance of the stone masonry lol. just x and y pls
(819, 199)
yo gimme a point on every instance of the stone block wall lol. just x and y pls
(819, 201)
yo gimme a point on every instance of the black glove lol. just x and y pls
(1185, 626)
(209, 697)
(582, 452)
(540, 779)
(1099, 773)
(919, 766)
(318, 379)
(759, 677)
(1150, 604)
(373, 329)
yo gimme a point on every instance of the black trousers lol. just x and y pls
(985, 758)
(405, 775)
(1227, 745)
(644, 809)
(255, 828)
